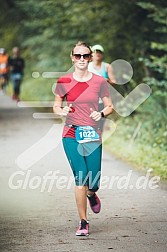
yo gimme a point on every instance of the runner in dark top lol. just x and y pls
(16, 64)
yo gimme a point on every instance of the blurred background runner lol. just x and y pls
(16, 64)
(99, 67)
(4, 69)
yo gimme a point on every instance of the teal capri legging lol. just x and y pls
(85, 161)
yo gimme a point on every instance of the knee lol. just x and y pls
(94, 182)
(94, 187)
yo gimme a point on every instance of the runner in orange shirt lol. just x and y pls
(3, 68)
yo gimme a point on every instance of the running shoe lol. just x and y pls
(83, 229)
(94, 202)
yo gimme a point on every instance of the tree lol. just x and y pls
(156, 61)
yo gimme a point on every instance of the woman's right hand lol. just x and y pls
(66, 110)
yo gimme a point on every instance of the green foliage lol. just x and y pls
(50, 28)
(10, 25)
(142, 141)
(156, 62)
(37, 90)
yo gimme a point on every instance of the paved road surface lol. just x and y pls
(131, 220)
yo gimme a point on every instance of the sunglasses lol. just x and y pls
(85, 56)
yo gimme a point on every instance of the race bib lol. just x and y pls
(85, 134)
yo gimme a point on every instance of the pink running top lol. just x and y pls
(82, 96)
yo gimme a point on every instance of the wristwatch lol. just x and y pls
(102, 114)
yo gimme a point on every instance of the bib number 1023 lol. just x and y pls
(89, 134)
(86, 134)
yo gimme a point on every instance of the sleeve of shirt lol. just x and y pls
(104, 89)
(60, 88)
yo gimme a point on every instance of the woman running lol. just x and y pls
(81, 136)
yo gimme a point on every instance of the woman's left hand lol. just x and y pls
(95, 115)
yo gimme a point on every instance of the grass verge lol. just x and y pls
(139, 142)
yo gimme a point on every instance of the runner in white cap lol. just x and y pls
(99, 67)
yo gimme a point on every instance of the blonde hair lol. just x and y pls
(81, 43)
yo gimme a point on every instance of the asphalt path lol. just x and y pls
(37, 203)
